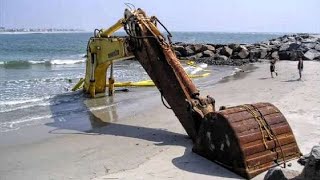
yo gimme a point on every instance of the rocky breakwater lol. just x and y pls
(287, 47)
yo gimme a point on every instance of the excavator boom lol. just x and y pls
(156, 56)
(247, 139)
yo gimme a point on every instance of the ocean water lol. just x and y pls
(38, 70)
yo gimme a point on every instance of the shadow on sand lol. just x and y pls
(245, 70)
(292, 80)
(263, 78)
(189, 161)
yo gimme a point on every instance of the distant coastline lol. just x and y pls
(4, 30)
(43, 32)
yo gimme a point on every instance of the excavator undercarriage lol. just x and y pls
(247, 139)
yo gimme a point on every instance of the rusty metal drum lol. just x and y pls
(247, 139)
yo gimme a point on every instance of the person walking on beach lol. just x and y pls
(273, 67)
(300, 67)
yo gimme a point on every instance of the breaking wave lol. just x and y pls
(26, 64)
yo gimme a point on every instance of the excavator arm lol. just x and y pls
(155, 54)
(247, 139)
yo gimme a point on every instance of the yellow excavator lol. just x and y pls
(247, 139)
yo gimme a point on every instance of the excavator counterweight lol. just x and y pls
(247, 139)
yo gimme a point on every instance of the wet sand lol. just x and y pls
(144, 140)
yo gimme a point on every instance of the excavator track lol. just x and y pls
(247, 139)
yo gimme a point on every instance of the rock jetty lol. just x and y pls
(287, 47)
(311, 170)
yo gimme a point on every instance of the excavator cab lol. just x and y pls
(247, 139)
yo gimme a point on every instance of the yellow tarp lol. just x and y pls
(147, 83)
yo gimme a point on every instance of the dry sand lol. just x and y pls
(299, 101)
(153, 145)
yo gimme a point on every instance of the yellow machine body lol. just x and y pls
(102, 52)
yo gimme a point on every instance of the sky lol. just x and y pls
(176, 15)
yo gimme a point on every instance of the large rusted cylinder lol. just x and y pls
(180, 73)
(247, 139)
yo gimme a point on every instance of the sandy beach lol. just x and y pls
(144, 140)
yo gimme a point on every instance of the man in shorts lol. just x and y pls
(273, 67)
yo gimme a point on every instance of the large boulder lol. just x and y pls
(309, 40)
(311, 162)
(294, 55)
(284, 55)
(285, 40)
(221, 57)
(219, 46)
(312, 54)
(291, 39)
(309, 45)
(275, 42)
(208, 53)
(263, 45)
(188, 51)
(288, 55)
(234, 46)
(250, 47)
(298, 39)
(289, 47)
(178, 48)
(243, 52)
(195, 56)
(284, 47)
(218, 50)
(293, 47)
(198, 48)
(311, 171)
(317, 47)
(278, 173)
(303, 35)
(182, 50)
(303, 48)
(226, 51)
(210, 47)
